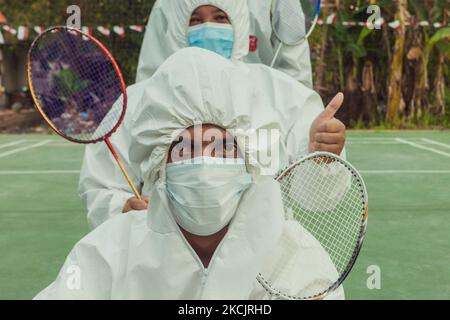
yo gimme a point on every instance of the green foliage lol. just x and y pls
(107, 13)
(68, 82)
(418, 7)
(440, 37)
(348, 48)
(357, 50)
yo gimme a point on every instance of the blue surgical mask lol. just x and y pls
(217, 37)
(204, 193)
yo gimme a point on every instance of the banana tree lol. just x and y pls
(395, 103)
(321, 65)
(435, 11)
(440, 40)
(356, 52)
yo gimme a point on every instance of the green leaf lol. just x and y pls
(419, 8)
(364, 33)
(441, 34)
(444, 47)
(69, 83)
(357, 50)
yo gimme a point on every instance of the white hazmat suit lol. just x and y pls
(144, 255)
(156, 48)
(104, 190)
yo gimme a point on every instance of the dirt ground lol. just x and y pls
(24, 121)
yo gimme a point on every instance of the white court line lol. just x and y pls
(8, 153)
(405, 171)
(418, 146)
(61, 145)
(370, 139)
(378, 141)
(372, 142)
(68, 172)
(11, 144)
(436, 143)
(12, 173)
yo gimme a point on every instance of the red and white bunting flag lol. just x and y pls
(394, 24)
(349, 23)
(2, 18)
(10, 30)
(331, 19)
(23, 33)
(87, 30)
(320, 21)
(2, 40)
(38, 29)
(104, 31)
(377, 24)
(119, 30)
(137, 28)
(380, 22)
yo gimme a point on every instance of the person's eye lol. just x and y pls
(222, 18)
(230, 149)
(181, 150)
(194, 21)
(177, 151)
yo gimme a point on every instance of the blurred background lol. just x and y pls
(394, 77)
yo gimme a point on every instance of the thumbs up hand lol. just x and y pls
(328, 133)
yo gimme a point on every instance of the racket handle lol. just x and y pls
(122, 168)
(276, 54)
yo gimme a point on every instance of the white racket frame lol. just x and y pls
(320, 296)
(277, 52)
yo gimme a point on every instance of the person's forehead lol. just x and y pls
(207, 9)
(206, 132)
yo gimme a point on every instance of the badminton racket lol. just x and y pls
(78, 88)
(293, 21)
(327, 196)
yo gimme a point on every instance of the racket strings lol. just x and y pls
(293, 19)
(76, 84)
(327, 200)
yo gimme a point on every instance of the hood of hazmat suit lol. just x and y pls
(167, 27)
(144, 255)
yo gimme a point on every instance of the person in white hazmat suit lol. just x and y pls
(292, 60)
(103, 189)
(214, 221)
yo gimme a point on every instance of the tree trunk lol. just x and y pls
(423, 89)
(352, 111)
(395, 99)
(439, 86)
(370, 103)
(2, 88)
(321, 64)
(415, 86)
(439, 83)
